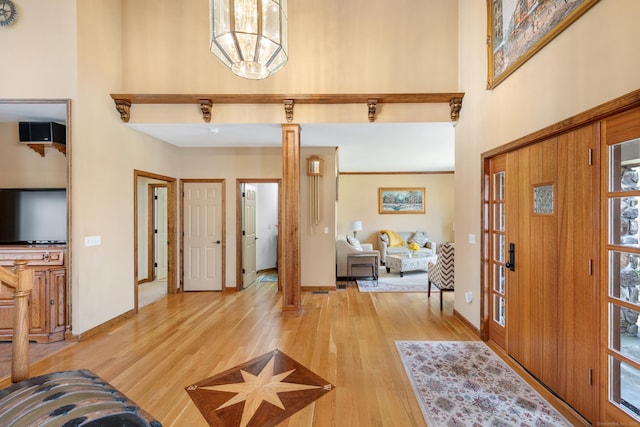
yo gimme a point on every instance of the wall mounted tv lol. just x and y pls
(33, 216)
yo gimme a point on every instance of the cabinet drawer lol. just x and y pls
(35, 257)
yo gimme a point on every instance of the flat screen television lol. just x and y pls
(33, 216)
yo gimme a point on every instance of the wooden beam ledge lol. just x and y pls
(124, 101)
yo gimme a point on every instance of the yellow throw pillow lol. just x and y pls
(395, 241)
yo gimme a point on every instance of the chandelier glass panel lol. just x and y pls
(250, 36)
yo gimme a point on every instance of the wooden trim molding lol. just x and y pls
(101, 327)
(466, 323)
(124, 101)
(399, 173)
(289, 222)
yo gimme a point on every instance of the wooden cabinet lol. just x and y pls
(47, 305)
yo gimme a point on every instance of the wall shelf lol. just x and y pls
(124, 102)
(40, 148)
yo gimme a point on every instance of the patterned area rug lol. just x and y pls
(261, 392)
(467, 384)
(412, 281)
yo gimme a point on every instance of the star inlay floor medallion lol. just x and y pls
(261, 392)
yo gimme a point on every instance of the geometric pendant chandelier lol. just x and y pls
(250, 36)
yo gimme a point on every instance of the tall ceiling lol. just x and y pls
(366, 147)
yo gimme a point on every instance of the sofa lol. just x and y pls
(352, 246)
(397, 242)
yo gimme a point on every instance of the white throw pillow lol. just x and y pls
(354, 242)
(419, 238)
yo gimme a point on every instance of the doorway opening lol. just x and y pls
(155, 237)
(257, 224)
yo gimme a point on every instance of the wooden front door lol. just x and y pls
(549, 254)
(532, 229)
(578, 243)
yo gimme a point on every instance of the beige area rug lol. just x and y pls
(412, 281)
(464, 383)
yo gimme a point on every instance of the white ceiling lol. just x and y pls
(367, 147)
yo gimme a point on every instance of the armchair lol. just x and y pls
(441, 274)
(344, 249)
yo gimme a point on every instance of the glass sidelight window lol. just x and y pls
(499, 247)
(623, 295)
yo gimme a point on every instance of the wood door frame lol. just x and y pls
(68, 154)
(239, 183)
(171, 230)
(223, 231)
(152, 236)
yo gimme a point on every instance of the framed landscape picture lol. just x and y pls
(406, 200)
(517, 29)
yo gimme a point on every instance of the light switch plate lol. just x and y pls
(92, 241)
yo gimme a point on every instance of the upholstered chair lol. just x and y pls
(345, 249)
(440, 274)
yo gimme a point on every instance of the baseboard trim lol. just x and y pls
(468, 324)
(101, 327)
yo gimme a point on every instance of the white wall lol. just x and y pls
(358, 199)
(592, 61)
(39, 58)
(120, 47)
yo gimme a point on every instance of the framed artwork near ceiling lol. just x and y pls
(405, 200)
(517, 29)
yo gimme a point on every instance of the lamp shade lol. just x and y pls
(357, 225)
(250, 36)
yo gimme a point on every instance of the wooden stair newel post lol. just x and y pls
(20, 356)
(289, 236)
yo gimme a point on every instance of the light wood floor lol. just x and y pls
(346, 337)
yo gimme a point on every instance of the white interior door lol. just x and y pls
(249, 274)
(161, 234)
(202, 236)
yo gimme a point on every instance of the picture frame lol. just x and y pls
(517, 30)
(401, 200)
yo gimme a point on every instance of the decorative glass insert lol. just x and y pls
(499, 308)
(498, 186)
(498, 217)
(623, 387)
(498, 278)
(543, 199)
(624, 160)
(624, 276)
(623, 221)
(625, 339)
(498, 247)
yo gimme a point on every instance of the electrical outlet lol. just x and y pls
(468, 297)
(92, 241)
(472, 239)
(326, 230)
